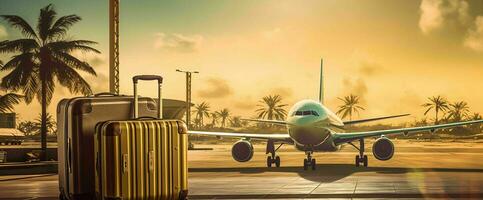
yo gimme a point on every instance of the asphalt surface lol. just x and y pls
(417, 170)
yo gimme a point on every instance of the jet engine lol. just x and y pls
(242, 151)
(383, 149)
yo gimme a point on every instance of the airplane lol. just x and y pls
(312, 127)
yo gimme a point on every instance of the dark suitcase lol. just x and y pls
(76, 120)
(143, 158)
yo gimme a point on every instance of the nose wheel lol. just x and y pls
(309, 161)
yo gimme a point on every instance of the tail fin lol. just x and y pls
(321, 88)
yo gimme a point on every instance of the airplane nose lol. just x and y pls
(308, 136)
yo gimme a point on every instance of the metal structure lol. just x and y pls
(321, 86)
(188, 95)
(114, 46)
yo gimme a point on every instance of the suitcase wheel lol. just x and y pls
(183, 194)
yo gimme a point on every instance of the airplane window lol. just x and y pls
(298, 113)
(308, 112)
(315, 113)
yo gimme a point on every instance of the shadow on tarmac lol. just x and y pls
(331, 172)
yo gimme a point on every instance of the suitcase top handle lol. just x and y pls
(147, 78)
(135, 80)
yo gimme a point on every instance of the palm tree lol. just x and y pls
(197, 122)
(7, 101)
(236, 122)
(476, 127)
(51, 124)
(350, 106)
(45, 57)
(271, 107)
(458, 110)
(202, 110)
(224, 114)
(214, 118)
(438, 103)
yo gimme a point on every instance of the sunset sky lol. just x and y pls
(393, 54)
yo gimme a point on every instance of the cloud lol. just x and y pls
(436, 14)
(3, 32)
(370, 68)
(100, 83)
(474, 39)
(216, 88)
(177, 42)
(284, 92)
(358, 87)
(245, 103)
(271, 34)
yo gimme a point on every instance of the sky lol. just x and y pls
(393, 54)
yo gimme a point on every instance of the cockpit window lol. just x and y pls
(305, 113)
(315, 113)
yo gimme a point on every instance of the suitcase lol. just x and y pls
(76, 120)
(143, 158)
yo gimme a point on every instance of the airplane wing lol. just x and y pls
(264, 136)
(372, 119)
(340, 138)
(267, 121)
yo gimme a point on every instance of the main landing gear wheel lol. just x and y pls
(273, 158)
(361, 158)
(270, 161)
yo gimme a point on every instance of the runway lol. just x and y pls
(417, 170)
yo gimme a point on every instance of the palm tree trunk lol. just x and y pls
(43, 127)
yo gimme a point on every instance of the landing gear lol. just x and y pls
(273, 158)
(361, 158)
(309, 161)
(270, 161)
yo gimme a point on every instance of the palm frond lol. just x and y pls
(20, 45)
(69, 46)
(75, 63)
(62, 24)
(45, 21)
(19, 23)
(17, 61)
(8, 100)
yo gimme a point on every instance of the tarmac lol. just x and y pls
(419, 170)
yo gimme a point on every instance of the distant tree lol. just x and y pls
(350, 106)
(458, 111)
(197, 122)
(28, 128)
(8, 100)
(45, 59)
(438, 104)
(236, 122)
(223, 114)
(214, 118)
(476, 127)
(271, 107)
(201, 111)
(51, 124)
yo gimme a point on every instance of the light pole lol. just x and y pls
(188, 95)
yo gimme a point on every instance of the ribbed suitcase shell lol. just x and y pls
(141, 159)
(76, 120)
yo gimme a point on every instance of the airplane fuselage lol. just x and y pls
(311, 126)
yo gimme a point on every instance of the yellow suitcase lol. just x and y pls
(143, 158)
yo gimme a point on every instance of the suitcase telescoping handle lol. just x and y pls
(147, 78)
